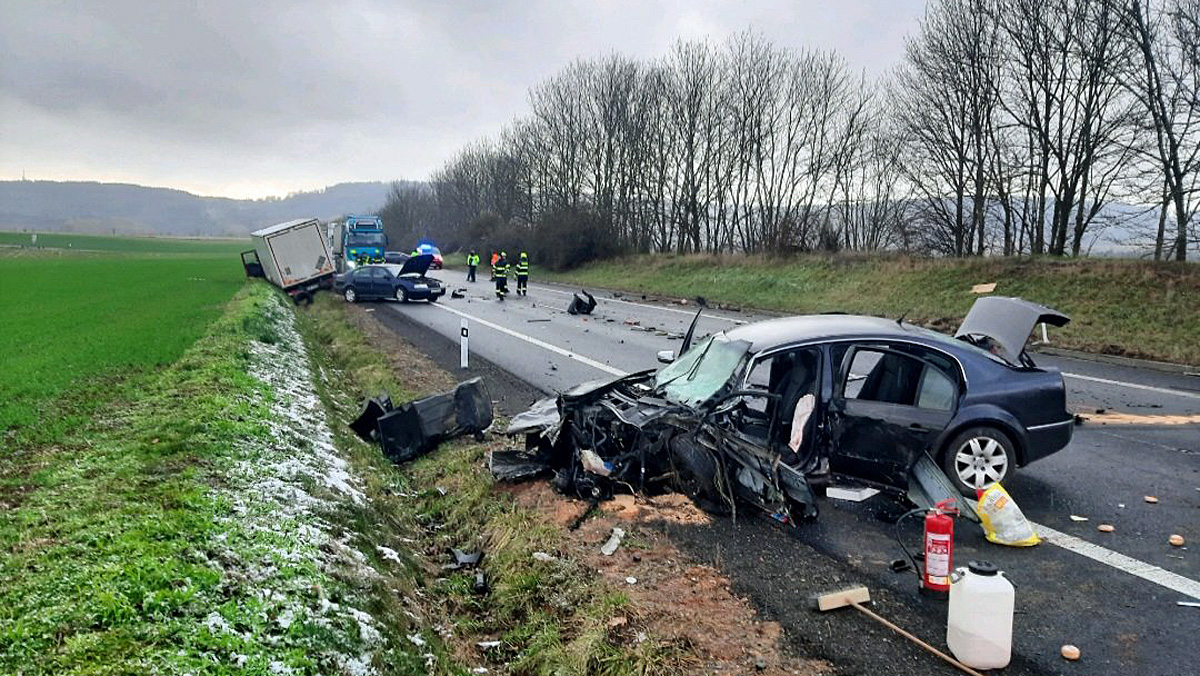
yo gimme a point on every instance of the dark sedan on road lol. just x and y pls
(400, 282)
(766, 411)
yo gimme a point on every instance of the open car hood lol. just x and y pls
(1008, 322)
(416, 265)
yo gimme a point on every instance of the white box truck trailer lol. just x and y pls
(293, 256)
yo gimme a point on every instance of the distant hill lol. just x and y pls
(118, 208)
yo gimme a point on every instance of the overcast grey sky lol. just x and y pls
(247, 99)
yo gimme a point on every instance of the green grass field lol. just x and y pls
(73, 319)
(169, 245)
(1132, 308)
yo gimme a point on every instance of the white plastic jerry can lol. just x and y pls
(979, 622)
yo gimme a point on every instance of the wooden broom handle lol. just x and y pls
(916, 640)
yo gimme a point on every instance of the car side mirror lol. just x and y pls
(666, 356)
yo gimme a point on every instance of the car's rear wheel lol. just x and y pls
(433, 299)
(401, 294)
(979, 457)
(349, 294)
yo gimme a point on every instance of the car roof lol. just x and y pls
(772, 333)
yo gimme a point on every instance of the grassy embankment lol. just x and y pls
(138, 532)
(551, 618)
(1131, 308)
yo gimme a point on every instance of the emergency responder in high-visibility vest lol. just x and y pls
(523, 274)
(495, 257)
(500, 271)
(472, 265)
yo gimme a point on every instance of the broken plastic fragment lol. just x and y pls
(543, 557)
(1078, 518)
(614, 541)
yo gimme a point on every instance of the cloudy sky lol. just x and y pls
(247, 99)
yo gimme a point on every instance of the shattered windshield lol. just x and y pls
(699, 373)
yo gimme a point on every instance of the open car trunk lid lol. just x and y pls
(416, 265)
(1007, 322)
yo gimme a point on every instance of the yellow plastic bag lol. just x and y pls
(1003, 522)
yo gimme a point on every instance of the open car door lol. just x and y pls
(887, 408)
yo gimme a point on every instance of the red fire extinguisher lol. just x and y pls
(939, 546)
(937, 559)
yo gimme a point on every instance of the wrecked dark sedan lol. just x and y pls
(402, 282)
(765, 412)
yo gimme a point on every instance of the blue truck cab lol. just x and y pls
(363, 241)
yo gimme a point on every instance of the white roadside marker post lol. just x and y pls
(462, 345)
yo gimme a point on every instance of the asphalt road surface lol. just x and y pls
(1112, 594)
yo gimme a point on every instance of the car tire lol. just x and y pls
(696, 476)
(401, 295)
(434, 299)
(350, 295)
(978, 457)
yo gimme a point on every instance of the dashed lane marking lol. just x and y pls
(1146, 571)
(1149, 572)
(1135, 386)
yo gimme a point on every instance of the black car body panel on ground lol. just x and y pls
(400, 282)
(768, 411)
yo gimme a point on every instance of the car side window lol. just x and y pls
(878, 375)
(937, 390)
(379, 273)
(362, 273)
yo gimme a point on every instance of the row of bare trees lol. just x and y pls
(1010, 127)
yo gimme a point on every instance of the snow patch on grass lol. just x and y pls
(285, 491)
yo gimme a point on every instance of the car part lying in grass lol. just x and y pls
(763, 412)
(416, 427)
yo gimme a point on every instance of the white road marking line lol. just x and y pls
(1149, 572)
(646, 305)
(1135, 440)
(1135, 386)
(540, 343)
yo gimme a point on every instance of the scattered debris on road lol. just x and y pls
(1106, 528)
(1176, 540)
(851, 494)
(582, 305)
(1078, 518)
(1151, 499)
(1070, 652)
